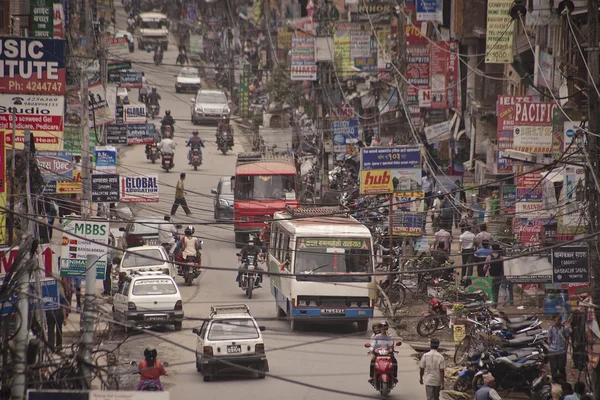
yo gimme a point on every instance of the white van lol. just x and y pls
(153, 29)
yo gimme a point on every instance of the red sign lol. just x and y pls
(44, 253)
(531, 235)
(505, 110)
(417, 50)
(534, 114)
(529, 180)
(2, 166)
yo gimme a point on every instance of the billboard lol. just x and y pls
(571, 264)
(303, 64)
(140, 133)
(391, 170)
(32, 66)
(80, 239)
(429, 11)
(131, 79)
(505, 110)
(41, 12)
(106, 160)
(345, 136)
(134, 114)
(118, 48)
(499, 35)
(43, 115)
(532, 131)
(139, 189)
(55, 165)
(3, 237)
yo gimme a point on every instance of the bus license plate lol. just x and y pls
(333, 311)
(234, 349)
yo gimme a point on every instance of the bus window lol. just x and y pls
(273, 244)
(287, 253)
(266, 187)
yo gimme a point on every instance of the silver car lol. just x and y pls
(188, 80)
(209, 106)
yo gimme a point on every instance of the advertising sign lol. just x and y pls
(80, 239)
(532, 210)
(139, 189)
(134, 114)
(529, 269)
(131, 79)
(573, 218)
(499, 35)
(3, 238)
(43, 115)
(42, 13)
(32, 66)
(391, 169)
(533, 127)
(443, 75)
(59, 21)
(569, 130)
(140, 133)
(49, 296)
(418, 58)
(303, 65)
(72, 186)
(55, 165)
(106, 159)
(531, 235)
(375, 12)
(341, 53)
(570, 264)
(390, 157)
(116, 133)
(407, 224)
(45, 256)
(505, 109)
(244, 84)
(99, 109)
(385, 52)
(429, 11)
(118, 48)
(105, 188)
(345, 136)
(439, 132)
(72, 140)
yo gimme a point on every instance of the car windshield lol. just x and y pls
(211, 98)
(154, 23)
(345, 256)
(226, 187)
(149, 287)
(139, 258)
(265, 187)
(189, 73)
(145, 228)
(233, 329)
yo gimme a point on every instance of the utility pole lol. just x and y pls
(13, 186)
(88, 319)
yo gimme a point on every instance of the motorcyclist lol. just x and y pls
(182, 56)
(166, 234)
(131, 20)
(151, 369)
(158, 52)
(383, 339)
(143, 91)
(167, 120)
(189, 246)
(153, 97)
(167, 146)
(249, 250)
(195, 142)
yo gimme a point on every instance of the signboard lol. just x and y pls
(505, 109)
(244, 84)
(429, 11)
(439, 132)
(49, 294)
(94, 395)
(140, 133)
(32, 66)
(390, 157)
(375, 13)
(99, 109)
(55, 165)
(3, 191)
(345, 136)
(119, 65)
(391, 169)
(139, 189)
(303, 65)
(533, 127)
(569, 130)
(131, 79)
(59, 21)
(106, 159)
(70, 187)
(570, 264)
(499, 35)
(43, 115)
(44, 254)
(407, 224)
(531, 235)
(573, 219)
(80, 239)
(72, 140)
(116, 134)
(118, 48)
(443, 72)
(42, 13)
(105, 188)
(134, 114)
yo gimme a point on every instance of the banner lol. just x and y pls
(134, 114)
(390, 157)
(533, 127)
(131, 79)
(244, 90)
(49, 294)
(42, 16)
(500, 32)
(118, 48)
(3, 235)
(444, 76)
(391, 170)
(106, 159)
(303, 65)
(105, 188)
(80, 239)
(571, 264)
(439, 132)
(429, 11)
(140, 133)
(55, 165)
(407, 224)
(505, 110)
(139, 189)
(345, 136)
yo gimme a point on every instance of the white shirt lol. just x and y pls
(427, 184)
(165, 234)
(437, 204)
(167, 146)
(432, 362)
(381, 340)
(467, 240)
(189, 247)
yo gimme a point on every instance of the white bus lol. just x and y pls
(324, 256)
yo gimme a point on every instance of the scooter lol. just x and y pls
(152, 153)
(196, 157)
(166, 131)
(383, 374)
(249, 279)
(167, 161)
(191, 269)
(154, 110)
(158, 58)
(224, 141)
(150, 385)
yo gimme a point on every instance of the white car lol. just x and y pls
(188, 79)
(209, 106)
(228, 338)
(148, 299)
(123, 93)
(146, 258)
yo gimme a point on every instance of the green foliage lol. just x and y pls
(282, 90)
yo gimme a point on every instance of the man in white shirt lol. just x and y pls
(482, 235)
(466, 246)
(427, 187)
(167, 146)
(166, 234)
(431, 371)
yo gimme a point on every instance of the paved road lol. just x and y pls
(326, 357)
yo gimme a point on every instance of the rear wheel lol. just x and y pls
(198, 368)
(295, 325)
(477, 383)
(427, 326)
(280, 312)
(363, 326)
(462, 350)
(461, 384)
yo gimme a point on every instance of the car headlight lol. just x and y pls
(226, 110)
(199, 109)
(224, 202)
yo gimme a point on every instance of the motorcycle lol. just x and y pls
(182, 58)
(191, 269)
(541, 388)
(152, 153)
(154, 110)
(131, 26)
(196, 157)
(224, 141)
(510, 374)
(158, 58)
(167, 161)
(383, 374)
(249, 279)
(167, 130)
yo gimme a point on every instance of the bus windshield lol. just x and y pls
(265, 187)
(154, 23)
(345, 256)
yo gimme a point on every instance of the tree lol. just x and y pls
(283, 91)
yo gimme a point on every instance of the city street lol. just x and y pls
(303, 365)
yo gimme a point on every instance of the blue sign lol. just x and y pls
(49, 294)
(106, 159)
(429, 11)
(140, 133)
(131, 79)
(55, 165)
(345, 136)
(390, 157)
(407, 224)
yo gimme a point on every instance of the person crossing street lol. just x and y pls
(180, 197)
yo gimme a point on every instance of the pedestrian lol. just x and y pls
(180, 197)
(447, 213)
(494, 268)
(376, 142)
(482, 235)
(557, 352)
(76, 280)
(488, 391)
(481, 254)
(427, 187)
(431, 372)
(55, 319)
(466, 245)
(556, 389)
(441, 250)
(460, 200)
(579, 392)
(495, 203)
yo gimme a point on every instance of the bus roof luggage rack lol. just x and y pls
(255, 156)
(246, 157)
(315, 211)
(230, 309)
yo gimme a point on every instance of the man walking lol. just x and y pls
(460, 200)
(431, 371)
(466, 245)
(427, 187)
(180, 197)
(559, 342)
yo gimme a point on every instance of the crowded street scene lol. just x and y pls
(299, 199)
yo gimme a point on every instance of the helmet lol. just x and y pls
(195, 133)
(150, 352)
(167, 217)
(189, 231)
(154, 89)
(168, 112)
(375, 327)
(383, 325)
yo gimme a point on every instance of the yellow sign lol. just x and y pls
(459, 333)
(341, 52)
(376, 182)
(70, 187)
(257, 13)
(500, 32)
(284, 39)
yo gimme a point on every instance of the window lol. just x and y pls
(267, 187)
(140, 258)
(273, 244)
(203, 329)
(151, 287)
(211, 98)
(145, 228)
(154, 23)
(231, 329)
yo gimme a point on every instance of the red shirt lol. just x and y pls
(151, 372)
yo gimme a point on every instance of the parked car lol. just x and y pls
(146, 258)
(230, 334)
(188, 79)
(123, 93)
(141, 231)
(148, 299)
(209, 106)
(223, 201)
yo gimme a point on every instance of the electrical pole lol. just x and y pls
(13, 197)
